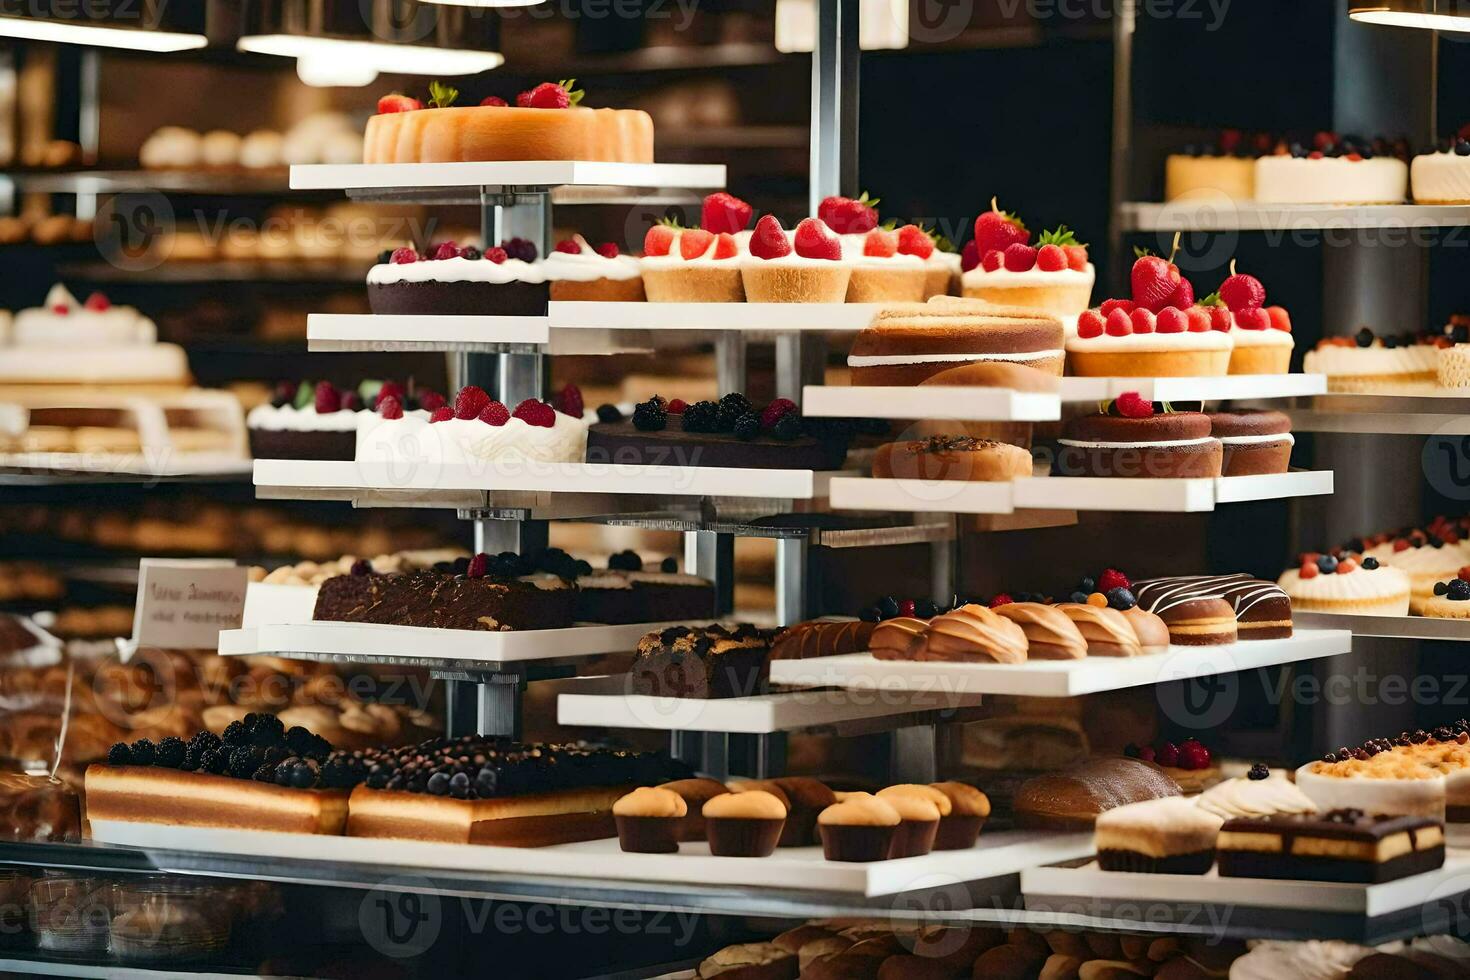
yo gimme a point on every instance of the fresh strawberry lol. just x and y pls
(390, 407)
(1109, 305)
(724, 212)
(494, 100)
(1173, 320)
(494, 414)
(479, 566)
(327, 399)
(1199, 319)
(913, 240)
(1076, 257)
(441, 414)
(1090, 324)
(1132, 405)
(996, 229)
(1183, 297)
(1154, 281)
(726, 247)
(970, 256)
(676, 406)
(1000, 599)
(1143, 320)
(1253, 319)
(1347, 565)
(769, 240)
(849, 215)
(98, 303)
(814, 240)
(495, 254)
(1242, 292)
(993, 260)
(568, 246)
(659, 240)
(398, 103)
(1051, 258)
(694, 242)
(535, 412)
(429, 400)
(1020, 257)
(880, 244)
(569, 401)
(608, 250)
(776, 411)
(1111, 578)
(403, 255)
(1309, 569)
(1280, 319)
(1119, 324)
(469, 402)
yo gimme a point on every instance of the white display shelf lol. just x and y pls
(921, 496)
(130, 467)
(605, 702)
(1144, 494)
(1057, 678)
(373, 332)
(349, 642)
(930, 402)
(995, 855)
(1390, 627)
(1222, 214)
(1273, 486)
(1227, 387)
(494, 175)
(760, 318)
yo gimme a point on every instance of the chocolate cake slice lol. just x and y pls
(710, 662)
(1340, 845)
(448, 601)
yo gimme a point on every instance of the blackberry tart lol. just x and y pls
(732, 432)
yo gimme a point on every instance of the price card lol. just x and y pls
(183, 603)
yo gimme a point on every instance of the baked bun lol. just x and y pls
(930, 793)
(752, 804)
(750, 961)
(1153, 632)
(1072, 800)
(696, 792)
(996, 374)
(908, 343)
(951, 458)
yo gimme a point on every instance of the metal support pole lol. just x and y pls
(912, 754)
(1122, 150)
(794, 580)
(730, 365)
(499, 704)
(834, 161)
(711, 555)
(801, 360)
(942, 585)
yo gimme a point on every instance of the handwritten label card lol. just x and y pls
(183, 604)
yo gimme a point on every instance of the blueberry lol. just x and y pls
(1087, 584)
(926, 609)
(438, 784)
(1121, 598)
(669, 565)
(1459, 590)
(888, 606)
(872, 614)
(1363, 338)
(607, 414)
(1440, 588)
(1079, 597)
(1462, 148)
(1298, 151)
(1326, 564)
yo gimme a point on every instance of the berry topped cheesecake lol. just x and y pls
(306, 421)
(1441, 174)
(888, 264)
(1261, 334)
(698, 265)
(1335, 170)
(547, 122)
(578, 271)
(1053, 276)
(1325, 583)
(807, 267)
(505, 280)
(1367, 362)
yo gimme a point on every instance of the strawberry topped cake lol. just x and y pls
(888, 264)
(1133, 437)
(547, 122)
(578, 271)
(1262, 334)
(1160, 332)
(698, 265)
(1053, 275)
(807, 267)
(1364, 586)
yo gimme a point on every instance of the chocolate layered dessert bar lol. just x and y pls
(257, 776)
(702, 662)
(477, 790)
(492, 593)
(1262, 609)
(1192, 606)
(1339, 845)
(628, 592)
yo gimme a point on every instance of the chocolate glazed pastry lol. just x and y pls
(1262, 609)
(1168, 445)
(467, 298)
(1340, 845)
(1255, 442)
(1193, 607)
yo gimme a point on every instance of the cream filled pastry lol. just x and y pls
(1107, 631)
(973, 632)
(1258, 794)
(1050, 632)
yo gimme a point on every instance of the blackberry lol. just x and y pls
(650, 416)
(702, 417)
(470, 252)
(926, 609)
(236, 733)
(318, 748)
(747, 427)
(1259, 771)
(608, 414)
(214, 760)
(519, 248)
(733, 407)
(274, 754)
(265, 774)
(888, 607)
(872, 614)
(297, 739)
(268, 730)
(243, 762)
(119, 755)
(361, 567)
(170, 753)
(143, 752)
(625, 561)
(789, 428)
(505, 565)
(669, 565)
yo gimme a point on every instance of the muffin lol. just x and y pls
(917, 827)
(696, 793)
(860, 828)
(969, 810)
(930, 794)
(805, 797)
(744, 824)
(650, 820)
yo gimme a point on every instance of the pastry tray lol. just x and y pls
(605, 702)
(996, 855)
(365, 642)
(1057, 678)
(1217, 388)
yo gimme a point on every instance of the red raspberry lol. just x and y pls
(494, 100)
(1109, 305)
(776, 411)
(1199, 319)
(1400, 544)
(1146, 753)
(1168, 755)
(470, 401)
(1173, 320)
(1076, 257)
(392, 388)
(569, 401)
(676, 406)
(398, 103)
(1090, 324)
(1143, 320)
(1000, 600)
(403, 255)
(970, 256)
(1464, 573)
(1132, 405)
(1193, 755)
(446, 250)
(390, 407)
(495, 254)
(1309, 569)
(568, 246)
(1051, 258)
(993, 260)
(98, 303)
(608, 250)
(1020, 258)
(494, 414)
(1111, 579)
(328, 399)
(441, 414)
(479, 565)
(547, 95)
(1119, 324)
(533, 412)
(431, 400)
(907, 607)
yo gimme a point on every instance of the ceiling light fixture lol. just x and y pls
(1431, 15)
(138, 25)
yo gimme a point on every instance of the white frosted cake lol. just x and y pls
(1284, 179)
(66, 342)
(416, 440)
(1442, 177)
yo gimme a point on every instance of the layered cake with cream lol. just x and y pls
(1442, 176)
(1053, 276)
(1262, 611)
(909, 343)
(306, 421)
(1134, 437)
(1365, 586)
(66, 341)
(1346, 845)
(473, 430)
(1168, 835)
(504, 280)
(1367, 363)
(578, 271)
(698, 265)
(546, 123)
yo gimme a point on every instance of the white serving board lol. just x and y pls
(745, 317)
(921, 496)
(1114, 493)
(605, 702)
(1047, 885)
(1056, 678)
(1219, 388)
(1273, 486)
(930, 402)
(274, 603)
(137, 464)
(692, 481)
(385, 332)
(378, 640)
(804, 868)
(502, 173)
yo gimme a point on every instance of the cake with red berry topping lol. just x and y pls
(1336, 171)
(1256, 441)
(1449, 599)
(306, 421)
(1189, 763)
(471, 431)
(888, 264)
(1366, 363)
(546, 123)
(698, 265)
(1324, 583)
(1426, 561)
(1441, 175)
(1262, 334)
(1160, 332)
(909, 343)
(1137, 438)
(95, 342)
(505, 280)
(579, 272)
(1053, 276)
(807, 267)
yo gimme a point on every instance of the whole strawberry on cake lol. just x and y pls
(889, 264)
(1361, 585)
(1133, 437)
(806, 267)
(1262, 334)
(1053, 275)
(699, 265)
(1159, 332)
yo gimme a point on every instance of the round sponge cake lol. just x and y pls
(907, 344)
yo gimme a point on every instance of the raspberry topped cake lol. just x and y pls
(1133, 437)
(1335, 170)
(1261, 334)
(472, 430)
(698, 265)
(807, 267)
(547, 122)
(1188, 763)
(578, 271)
(1053, 276)
(505, 280)
(888, 264)
(306, 421)
(1325, 583)
(91, 342)
(1441, 174)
